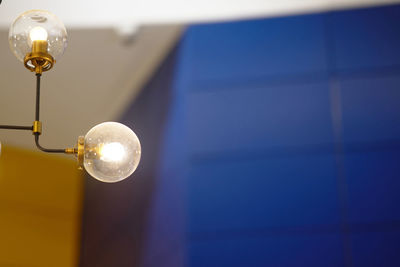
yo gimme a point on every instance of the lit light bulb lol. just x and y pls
(37, 26)
(111, 152)
(38, 34)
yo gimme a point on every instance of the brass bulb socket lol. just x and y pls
(39, 59)
(39, 46)
(78, 151)
(81, 151)
(71, 151)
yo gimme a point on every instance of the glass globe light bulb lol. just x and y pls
(111, 152)
(37, 25)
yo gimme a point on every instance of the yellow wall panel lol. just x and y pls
(40, 209)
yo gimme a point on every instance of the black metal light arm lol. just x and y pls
(36, 128)
(48, 150)
(16, 127)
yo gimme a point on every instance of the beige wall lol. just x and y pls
(40, 209)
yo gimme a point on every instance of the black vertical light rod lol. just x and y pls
(37, 116)
(38, 75)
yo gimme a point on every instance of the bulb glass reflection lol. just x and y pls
(112, 152)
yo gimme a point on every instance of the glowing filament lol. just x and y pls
(38, 33)
(112, 152)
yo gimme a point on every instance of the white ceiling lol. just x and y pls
(123, 13)
(105, 66)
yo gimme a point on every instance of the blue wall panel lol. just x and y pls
(260, 145)
(286, 250)
(370, 109)
(282, 144)
(376, 248)
(263, 193)
(259, 48)
(259, 118)
(366, 38)
(373, 184)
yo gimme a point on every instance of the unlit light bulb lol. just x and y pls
(38, 34)
(112, 152)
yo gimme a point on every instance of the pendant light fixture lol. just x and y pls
(110, 151)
